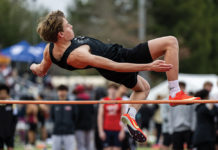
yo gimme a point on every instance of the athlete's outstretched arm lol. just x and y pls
(82, 57)
(42, 68)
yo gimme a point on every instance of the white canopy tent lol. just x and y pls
(72, 80)
(193, 82)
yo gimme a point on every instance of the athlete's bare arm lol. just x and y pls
(81, 57)
(42, 68)
(100, 121)
(121, 135)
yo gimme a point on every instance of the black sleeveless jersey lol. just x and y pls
(113, 52)
(110, 51)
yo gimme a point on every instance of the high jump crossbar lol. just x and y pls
(106, 102)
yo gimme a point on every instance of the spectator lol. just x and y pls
(8, 120)
(205, 133)
(21, 124)
(182, 121)
(42, 116)
(208, 86)
(182, 86)
(215, 97)
(32, 121)
(128, 143)
(90, 90)
(144, 116)
(158, 121)
(64, 117)
(99, 93)
(110, 130)
(84, 125)
(167, 136)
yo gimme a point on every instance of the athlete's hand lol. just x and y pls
(102, 135)
(121, 135)
(35, 68)
(160, 66)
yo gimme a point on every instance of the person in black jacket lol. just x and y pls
(8, 120)
(64, 117)
(84, 125)
(205, 133)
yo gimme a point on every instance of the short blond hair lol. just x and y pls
(50, 25)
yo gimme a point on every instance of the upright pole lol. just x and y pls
(34, 37)
(142, 20)
(142, 29)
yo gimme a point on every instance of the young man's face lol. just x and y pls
(62, 94)
(68, 33)
(112, 92)
(208, 87)
(4, 95)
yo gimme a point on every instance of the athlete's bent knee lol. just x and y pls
(172, 42)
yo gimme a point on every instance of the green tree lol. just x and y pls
(194, 23)
(106, 21)
(18, 22)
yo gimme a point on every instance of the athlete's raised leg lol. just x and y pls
(140, 92)
(169, 48)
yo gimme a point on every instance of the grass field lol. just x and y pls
(19, 146)
(22, 148)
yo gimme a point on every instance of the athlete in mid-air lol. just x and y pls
(112, 61)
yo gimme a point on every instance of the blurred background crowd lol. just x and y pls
(83, 127)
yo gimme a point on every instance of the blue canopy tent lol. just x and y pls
(37, 51)
(18, 52)
(23, 52)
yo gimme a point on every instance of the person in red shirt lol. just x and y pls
(110, 129)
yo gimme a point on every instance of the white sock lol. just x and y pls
(132, 112)
(174, 87)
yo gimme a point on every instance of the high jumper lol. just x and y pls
(112, 61)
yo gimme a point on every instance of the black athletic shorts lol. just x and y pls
(9, 142)
(167, 139)
(180, 138)
(33, 127)
(206, 146)
(139, 54)
(112, 139)
(126, 142)
(216, 142)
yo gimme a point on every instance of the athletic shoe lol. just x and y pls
(133, 128)
(182, 96)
